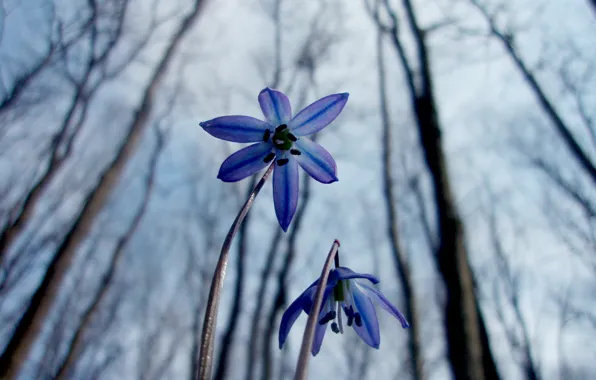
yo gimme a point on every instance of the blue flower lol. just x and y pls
(348, 291)
(279, 137)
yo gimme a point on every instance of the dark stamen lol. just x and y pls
(269, 157)
(349, 311)
(281, 128)
(292, 137)
(326, 318)
(350, 314)
(266, 135)
(282, 161)
(335, 328)
(358, 319)
(295, 152)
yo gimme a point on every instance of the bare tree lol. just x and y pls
(30, 324)
(563, 129)
(468, 350)
(402, 265)
(10, 93)
(76, 342)
(256, 329)
(75, 116)
(517, 333)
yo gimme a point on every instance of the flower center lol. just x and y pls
(340, 298)
(282, 138)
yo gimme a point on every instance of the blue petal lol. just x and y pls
(369, 331)
(316, 161)
(309, 295)
(344, 273)
(285, 192)
(275, 106)
(245, 162)
(243, 129)
(321, 328)
(293, 312)
(318, 115)
(318, 339)
(384, 303)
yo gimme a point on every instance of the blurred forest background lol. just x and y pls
(467, 164)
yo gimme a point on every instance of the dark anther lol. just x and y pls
(350, 314)
(295, 152)
(266, 135)
(292, 137)
(358, 319)
(281, 128)
(282, 161)
(349, 311)
(335, 328)
(269, 157)
(332, 314)
(327, 317)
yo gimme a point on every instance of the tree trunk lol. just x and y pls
(468, 352)
(30, 325)
(574, 146)
(402, 267)
(76, 343)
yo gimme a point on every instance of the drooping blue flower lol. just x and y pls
(279, 137)
(351, 293)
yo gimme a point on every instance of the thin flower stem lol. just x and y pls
(210, 321)
(313, 317)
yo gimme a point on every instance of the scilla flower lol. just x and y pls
(351, 293)
(279, 138)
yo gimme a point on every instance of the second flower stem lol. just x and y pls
(210, 321)
(313, 317)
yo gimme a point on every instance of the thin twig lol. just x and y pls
(313, 317)
(208, 334)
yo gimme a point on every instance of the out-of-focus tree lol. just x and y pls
(507, 296)
(559, 141)
(468, 348)
(402, 265)
(30, 324)
(75, 344)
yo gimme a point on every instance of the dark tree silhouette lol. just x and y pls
(30, 325)
(469, 354)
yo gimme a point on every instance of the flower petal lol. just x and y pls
(316, 161)
(285, 192)
(243, 129)
(369, 330)
(275, 106)
(318, 338)
(318, 115)
(344, 273)
(384, 303)
(293, 312)
(244, 162)
(326, 307)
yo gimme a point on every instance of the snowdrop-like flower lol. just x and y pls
(351, 293)
(279, 138)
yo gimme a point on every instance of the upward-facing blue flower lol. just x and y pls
(279, 137)
(348, 291)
